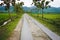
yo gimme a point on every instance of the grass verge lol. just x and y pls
(6, 30)
(5, 16)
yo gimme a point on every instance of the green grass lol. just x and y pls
(5, 31)
(4, 17)
(49, 16)
(54, 17)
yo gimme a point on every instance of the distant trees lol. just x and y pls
(7, 2)
(18, 8)
(41, 4)
(7, 7)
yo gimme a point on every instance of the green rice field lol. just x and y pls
(6, 30)
(4, 17)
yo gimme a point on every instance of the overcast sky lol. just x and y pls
(56, 3)
(27, 2)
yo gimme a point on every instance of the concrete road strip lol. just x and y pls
(25, 33)
(51, 34)
(37, 33)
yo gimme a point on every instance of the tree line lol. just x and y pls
(41, 4)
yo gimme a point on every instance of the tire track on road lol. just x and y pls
(37, 33)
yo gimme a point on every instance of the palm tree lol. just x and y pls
(7, 2)
(18, 7)
(13, 2)
(7, 7)
(41, 4)
(21, 4)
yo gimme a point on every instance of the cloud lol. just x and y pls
(27, 2)
(55, 3)
(1, 2)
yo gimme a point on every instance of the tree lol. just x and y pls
(7, 7)
(18, 7)
(1, 4)
(13, 2)
(41, 4)
(7, 2)
(21, 4)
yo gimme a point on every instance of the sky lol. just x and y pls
(55, 3)
(27, 2)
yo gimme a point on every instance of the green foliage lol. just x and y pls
(5, 31)
(7, 7)
(21, 4)
(47, 2)
(41, 3)
(18, 7)
(7, 2)
(13, 2)
(4, 17)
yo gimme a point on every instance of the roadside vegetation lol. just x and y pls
(42, 4)
(4, 17)
(51, 21)
(5, 31)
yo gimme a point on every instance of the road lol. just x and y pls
(30, 29)
(26, 33)
(33, 30)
